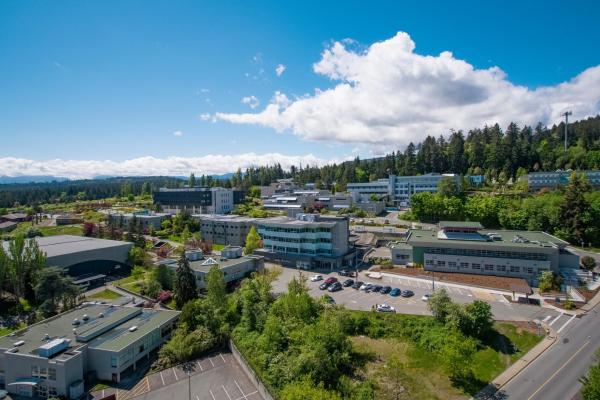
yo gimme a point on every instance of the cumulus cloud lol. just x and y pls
(387, 93)
(178, 133)
(151, 166)
(252, 101)
(280, 69)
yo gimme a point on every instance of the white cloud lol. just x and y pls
(206, 117)
(280, 69)
(252, 101)
(178, 133)
(386, 94)
(152, 166)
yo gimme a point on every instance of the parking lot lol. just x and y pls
(215, 377)
(359, 300)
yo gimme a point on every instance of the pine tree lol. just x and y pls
(252, 241)
(185, 282)
(192, 180)
(575, 208)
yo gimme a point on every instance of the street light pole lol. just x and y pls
(566, 115)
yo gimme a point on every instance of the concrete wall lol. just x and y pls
(254, 378)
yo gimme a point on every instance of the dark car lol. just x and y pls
(407, 293)
(324, 285)
(357, 285)
(335, 286)
(395, 292)
(376, 288)
(348, 282)
(385, 290)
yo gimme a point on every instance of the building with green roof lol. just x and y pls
(54, 356)
(466, 247)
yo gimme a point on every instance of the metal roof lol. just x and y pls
(460, 224)
(60, 245)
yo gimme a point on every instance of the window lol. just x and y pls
(529, 270)
(428, 262)
(515, 269)
(52, 391)
(141, 348)
(475, 266)
(489, 267)
(35, 372)
(441, 263)
(113, 361)
(452, 264)
(501, 268)
(52, 374)
(464, 265)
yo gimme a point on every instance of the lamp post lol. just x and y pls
(566, 115)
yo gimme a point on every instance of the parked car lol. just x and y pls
(385, 290)
(376, 288)
(334, 287)
(344, 272)
(348, 282)
(367, 287)
(330, 280)
(395, 292)
(324, 285)
(385, 308)
(407, 293)
(357, 285)
(426, 297)
(316, 278)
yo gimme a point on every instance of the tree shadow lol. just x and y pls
(501, 343)
(468, 383)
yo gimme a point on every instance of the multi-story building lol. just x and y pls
(224, 229)
(145, 219)
(466, 247)
(399, 189)
(198, 200)
(231, 262)
(54, 357)
(554, 179)
(307, 241)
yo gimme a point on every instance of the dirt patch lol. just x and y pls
(588, 294)
(485, 281)
(523, 326)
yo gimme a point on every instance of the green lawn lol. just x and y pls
(23, 227)
(106, 294)
(218, 247)
(6, 331)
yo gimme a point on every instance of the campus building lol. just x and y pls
(234, 265)
(554, 179)
(145, 219)
(79, 255)
(399, 189)
(198, 200)
(466, 247)
(54, 357)
(307, 241)
(224, 229)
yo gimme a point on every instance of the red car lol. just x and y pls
(329, 281)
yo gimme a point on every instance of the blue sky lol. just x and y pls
(115, 80)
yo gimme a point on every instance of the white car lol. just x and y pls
(385, 308)
(366, 286)
(426, 297)
(316, 278)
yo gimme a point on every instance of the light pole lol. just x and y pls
(566, 115)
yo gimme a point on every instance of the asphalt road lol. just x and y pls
(555, 374)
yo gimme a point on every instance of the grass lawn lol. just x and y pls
(106, 294)
(218, 247)
(135, 287)
(6, 331)
(62, 230)
(425, 378)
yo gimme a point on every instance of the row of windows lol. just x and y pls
(294, 230)
(488, 253)
(293, 250)
(486, 267)
(295, 240)
(43, 373)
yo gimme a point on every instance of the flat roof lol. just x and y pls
(115, 337)
(221, 262)
(60, 245)
(287, 221)
(460, 224)
(506, 238)
(224, 218)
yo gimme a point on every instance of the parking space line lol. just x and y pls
(225, 390)
(240, 389)
(162, 379)
(200, 365)
(211, 394)
(175, 373)
(547, 318)
(211, 361)
(197, 398)
(223, 358)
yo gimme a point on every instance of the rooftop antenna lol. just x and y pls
(566, 114)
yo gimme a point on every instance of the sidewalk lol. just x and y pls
(592, 303)
(517, 367)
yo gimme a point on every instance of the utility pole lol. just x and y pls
(566, 115)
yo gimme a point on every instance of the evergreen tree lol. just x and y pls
(215, 287)
(192, 180)
(575, 208)
(185, 282)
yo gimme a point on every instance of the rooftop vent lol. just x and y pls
(133, 328)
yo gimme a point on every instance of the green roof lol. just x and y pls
(483, 238)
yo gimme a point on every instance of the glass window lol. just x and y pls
(52, 374)
(113, 361)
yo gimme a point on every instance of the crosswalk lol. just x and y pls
(559, 322)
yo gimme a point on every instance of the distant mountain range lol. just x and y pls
(47, 178)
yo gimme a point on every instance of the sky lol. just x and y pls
(151, 87)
